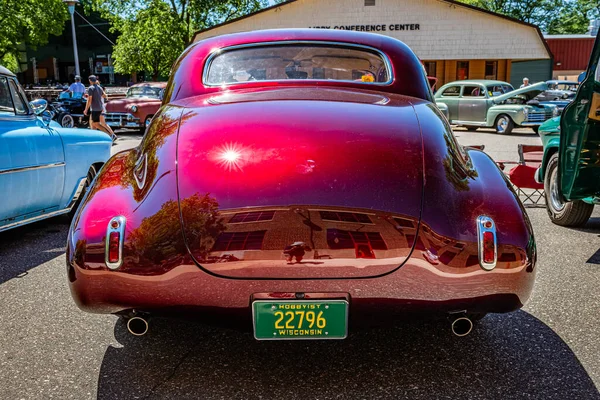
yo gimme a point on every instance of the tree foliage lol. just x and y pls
(154, 32)
(150, 42)
(575, 16)
(552, 16)
(28, 23)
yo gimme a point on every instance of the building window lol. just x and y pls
(491, 70)
(339, 239)
(462, 70)
(407, 223)
(430, 68)
(345, 217)
(252, 216)
(369, 2)
(239, 241)
(318, 73)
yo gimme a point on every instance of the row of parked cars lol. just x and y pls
(495, 104)
(135, 111)
(296, 136)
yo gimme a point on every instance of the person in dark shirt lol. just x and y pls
(95, 106)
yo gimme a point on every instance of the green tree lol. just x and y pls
(149, 42)
(575, 16)
(538, 12)
(28, 23)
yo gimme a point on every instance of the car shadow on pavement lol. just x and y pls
(509, 356)
(27, 247)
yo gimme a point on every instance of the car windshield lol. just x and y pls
(497, 90)
(298, 61)
(144, 91)
(571, 86)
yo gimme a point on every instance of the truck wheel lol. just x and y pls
(562, 212)
(66, 120)
(504, 125)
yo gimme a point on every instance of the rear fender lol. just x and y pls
(462, 185)
(139, 184)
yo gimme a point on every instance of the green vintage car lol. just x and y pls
(486, 103)
(570, 169)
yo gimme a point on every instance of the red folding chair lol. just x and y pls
(522, 175)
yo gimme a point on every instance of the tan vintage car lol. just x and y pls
(137, 108)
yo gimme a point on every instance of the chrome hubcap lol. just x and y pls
(67, 121)
(555, 199)
(502, 124)
(148, 120)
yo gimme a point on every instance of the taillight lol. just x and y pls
(115, 233)
(488, 246)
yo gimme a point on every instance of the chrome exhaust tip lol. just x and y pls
(137, 326)
(462, 326)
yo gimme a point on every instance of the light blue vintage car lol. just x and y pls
(44, 168)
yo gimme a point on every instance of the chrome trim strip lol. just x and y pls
(470, 123)
(34, 219)
(143, 161)
(532, 123)
(120, 228)
(23, 169)
(217, 52)
(482, 221)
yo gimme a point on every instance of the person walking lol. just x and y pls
(525, 82)
(77, 89)
(103, 115)
(94, 106)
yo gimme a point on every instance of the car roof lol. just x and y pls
(150, 84)
(5, 71)
(478, 82)
(406, 69)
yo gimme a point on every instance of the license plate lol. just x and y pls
(304, 319)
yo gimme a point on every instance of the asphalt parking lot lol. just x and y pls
(548, 350)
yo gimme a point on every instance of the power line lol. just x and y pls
(103, 35)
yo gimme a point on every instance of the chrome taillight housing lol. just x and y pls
(115, 236)
(487, 242)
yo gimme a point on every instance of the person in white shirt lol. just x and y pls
(77, 88)
(525, 82)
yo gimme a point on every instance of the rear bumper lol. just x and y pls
(415, 287)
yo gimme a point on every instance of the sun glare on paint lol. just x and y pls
(230, 156)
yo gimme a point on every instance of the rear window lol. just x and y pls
(451, 91)
(298, 61)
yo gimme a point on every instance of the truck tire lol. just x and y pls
(564, 213)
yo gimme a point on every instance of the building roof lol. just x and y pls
(569, 37)
(5, 71)
(451, 2)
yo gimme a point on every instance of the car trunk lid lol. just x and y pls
(300, 183)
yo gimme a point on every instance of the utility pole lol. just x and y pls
(71, 4)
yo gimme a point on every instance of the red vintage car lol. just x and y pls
(300, 183)
(137, 108)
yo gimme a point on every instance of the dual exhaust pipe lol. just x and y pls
(461, 325)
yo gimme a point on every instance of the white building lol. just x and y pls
(454, 40)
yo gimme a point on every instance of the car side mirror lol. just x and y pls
(38, 106)
(46, 117)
